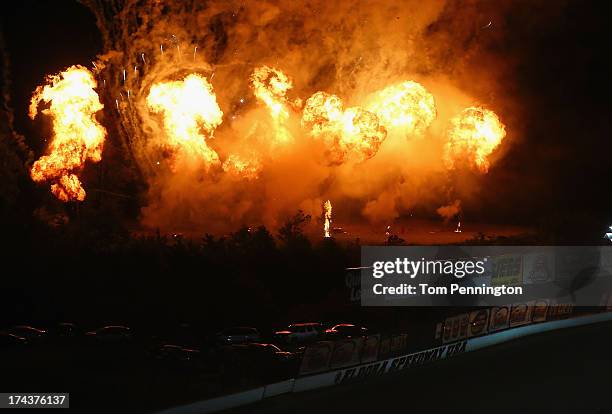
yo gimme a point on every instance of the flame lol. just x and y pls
(190, 115)
(327, 215)
(458, 229)
(77, 136)
(407, 106)
(270, 86)
(242, 167)
(472, 137)
(351, 133)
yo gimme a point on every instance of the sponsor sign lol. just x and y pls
(439, 330)
(538, 267)
(540, 308)
(346, 353)
(369, 351)
(384, 350)
(559, 311)
(507, 269)
(316, 358)
(393, 345)
(520, 314)
(399, 363)
(399, 343)
(500, 318)
(352, 281)
(456, 328)
(479, 322)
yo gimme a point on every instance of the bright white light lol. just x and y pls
(608, 235)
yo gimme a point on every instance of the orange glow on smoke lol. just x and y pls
(406, 106)
(190, 115)
(270, 86)
(472, 137)
(353, 133)
(77, 136)
(248, 168)
(311, 101)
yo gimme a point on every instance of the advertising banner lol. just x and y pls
(520, 314)
(346, 353)
(440, 330)
(500, 318)
(392, 345)
(369, 351)
(316, 358)
(507, 270)
(559, 311)
(456, 328)
(479, 322)
(540, 309)
(399, 344)
(539, 267)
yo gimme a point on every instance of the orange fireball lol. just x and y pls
(407, 107)
(247, 168)
(270, 86)
(472, 137)
(353, 133)
(77, 135)
(190, 115)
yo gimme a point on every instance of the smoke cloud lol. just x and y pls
(449, 211)
(351, 49)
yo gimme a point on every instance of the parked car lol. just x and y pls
(111, 333)
(300, 332)
(176, 353)
(237, 335)
(345, 330)
(9, 340)
(65, 329)
(271, 350)
(258, 361)
(29, 333)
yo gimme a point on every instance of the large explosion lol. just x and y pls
(345, 133)
(241, 113)
(407, 107)
(190, 115)
(77, 136)
(472, 137)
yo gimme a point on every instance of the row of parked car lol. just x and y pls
(26, 334)
(237, 352)
(298, 333)
(284, 346)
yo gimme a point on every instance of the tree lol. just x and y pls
(293, 229)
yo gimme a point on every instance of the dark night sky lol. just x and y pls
(564, 77)
(45, 37)
(561, 167)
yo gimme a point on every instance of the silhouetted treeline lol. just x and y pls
(91, 269)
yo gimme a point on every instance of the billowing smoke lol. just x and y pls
(449, 211)
(6, 105)
(346, 101)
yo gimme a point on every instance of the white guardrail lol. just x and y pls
(378, 368)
